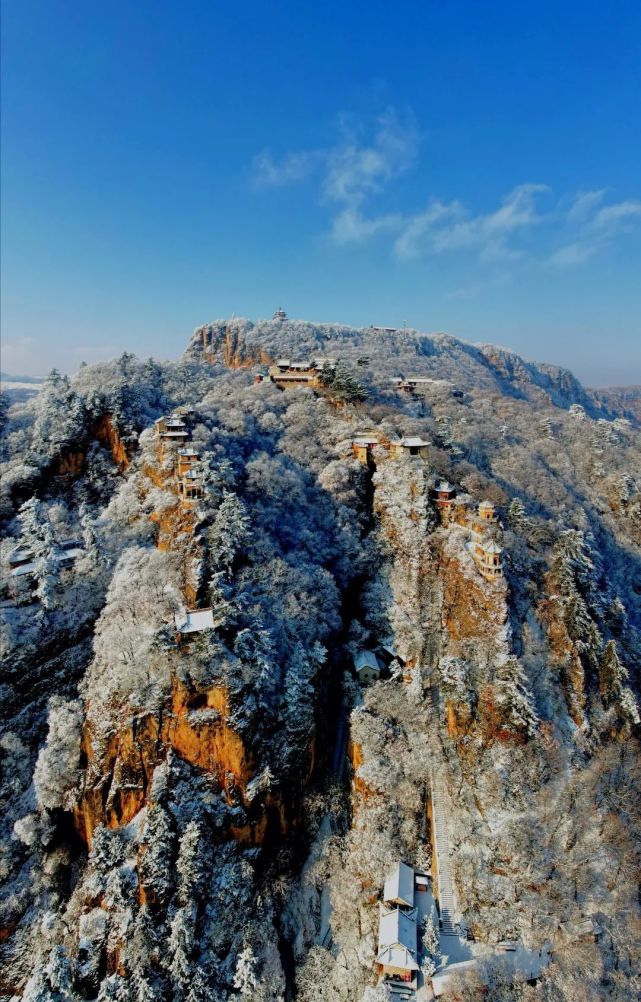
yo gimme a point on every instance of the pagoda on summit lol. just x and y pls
(280, 315)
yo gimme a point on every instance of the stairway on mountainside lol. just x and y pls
(440, 839)
(441, 844)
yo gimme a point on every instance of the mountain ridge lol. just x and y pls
(436, 354)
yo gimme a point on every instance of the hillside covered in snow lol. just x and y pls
(320, 675)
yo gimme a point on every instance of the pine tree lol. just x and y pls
(216, 477)
(516, 515)
(245, 977)
(345, 387)
(613, 679)
(58, 973)
(156, 862)
(106, 849)
(199, 989)
(612, 674)
(143, 989)
(181, 946)
(37, 535)
(229, 533)
(32, 515)
(51, 982)
(515, 699)
(573, 563)
(582, 629)
(92, 542)
(299, 695)
(221, 599)
(326, 375)
(191, 863)
(628, 706)
(256, 649)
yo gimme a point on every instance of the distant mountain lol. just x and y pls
(622, 398)
(19, 388)
(6, 378)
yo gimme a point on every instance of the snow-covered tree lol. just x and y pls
(191, 863)
(199, 989)
(229, 532)
(38, 535)
(516, 515)
(612, 674)
(94, 545)
(156, 870)
(245, 976)
(613, 679)
(57, 773)
(181, 948)
(256, 649)
(514, 697)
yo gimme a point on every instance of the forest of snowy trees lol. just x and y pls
(212, 817)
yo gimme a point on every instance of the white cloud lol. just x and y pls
(583, 205)
(573, 254)
(368, 157)
(446, 227)
(349, 226)
(269, 173)
(613, 217)
(425, 226)
(597, 227)
(356, 168)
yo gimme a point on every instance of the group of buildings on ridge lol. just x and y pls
(483, 548)
(188, 477)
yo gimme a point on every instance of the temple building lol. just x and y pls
(487, 555)
(399, 887)
(186, 459)
(172, 429)
(367, 667)
(487, 511)
(190, 487)
(286, 373)
(444, 495)
(362, 448)
(194, 621)
(397, 944)
(280, 315)
(409, 447)
(483, 520)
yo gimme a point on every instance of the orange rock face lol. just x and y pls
(196, 727)
(198, 730)
(70, 464)
(356, 757)
(234, 352)
(469, 609)
(104, 431)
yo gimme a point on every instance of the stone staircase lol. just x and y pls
(446, 897)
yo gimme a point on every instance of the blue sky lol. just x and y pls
(459, 166)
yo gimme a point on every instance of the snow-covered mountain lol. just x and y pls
(307, 603)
